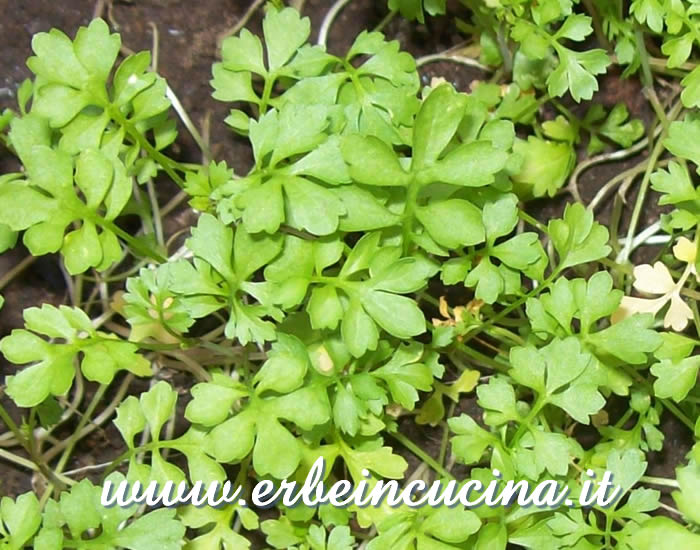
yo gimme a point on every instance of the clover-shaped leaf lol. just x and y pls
(151, 411)
(258, 427)
(75, 519)
(53, 364)
(577, 237)
(220, 276)
(93, 190)
(657, 280)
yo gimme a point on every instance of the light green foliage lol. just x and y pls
(258, 427)
(48, 201)
(8, 238)
(414, 9)
(78, 515)
(283, 534)
(220, 276)
(386, 77)
(53, 363)
(675, 183)
(677, 369)
(152, 309)
(150, 412)
(546, 165)
(613, 126)
(379, 255)
(577, 238)
(80, 146)
(577, 307)
(215, 526)
(19, 520)
(575, 71)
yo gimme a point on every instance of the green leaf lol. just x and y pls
(404, 374)
(398, 315)
(325, 309)
(284, 370)
(52, 369)
(691, 89)
(359, 331)
(287, 55)
(405, 275)
(75, 520)
(212, 241)
(498, 399)
(577, 72)
(258, 428)
(263, 207)
(683, 138)
(436, 124)
(678, 49)
(560, 372)
(453, 525)
(650, 12)
(675, 378)
(158, 405)
(630, 339)
(158, 527)
(285, 31)
(453, 223)
(8, 238)
(19, 520)
(414, 9)
(662, 533)
(686, 498)
(211, 402)
(373, 162)
(220, 523)
(471, 440)
(364, 212)
(577, 238)
(48, 203)
(218, 278)
(546, 166)
(311, 207)
(470, 165)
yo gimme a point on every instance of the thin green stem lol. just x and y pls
(132, 242)
(519, 302)
(527, 422)
(420, 453)
(533, 221)
(156, 155)
(479, 357)
(623, 257)
(661, 481)
(385, 21)
(86, 417)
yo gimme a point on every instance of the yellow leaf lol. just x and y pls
(678, 314)
(685, 250)
(629, 306)
(464, 384)
(653, 280)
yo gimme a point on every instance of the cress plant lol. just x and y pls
(376, 266)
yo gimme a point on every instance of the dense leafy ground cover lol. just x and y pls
(377, 264)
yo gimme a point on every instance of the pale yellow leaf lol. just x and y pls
(685, 250)
(629, 306)
(464, 384)
(678, 314)
(653, 280)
